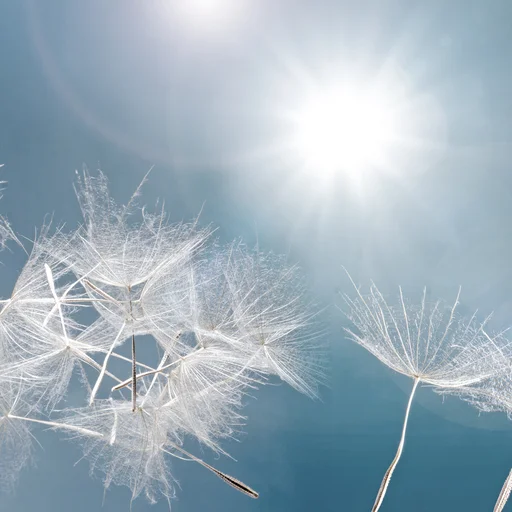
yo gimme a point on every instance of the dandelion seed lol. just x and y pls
(225, 319)
(429, 342)
(232, 481)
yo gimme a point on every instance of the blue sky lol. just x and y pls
(126, 85)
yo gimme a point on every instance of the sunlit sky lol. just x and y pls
(375, 135)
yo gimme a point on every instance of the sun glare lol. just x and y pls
(344, 130)
(209, 14)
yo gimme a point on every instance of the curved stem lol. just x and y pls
(504, 494)
(389, 473)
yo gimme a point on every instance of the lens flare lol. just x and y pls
(345, 130)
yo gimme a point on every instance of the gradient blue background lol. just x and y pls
(124, 85)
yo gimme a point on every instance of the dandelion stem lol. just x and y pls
(49, 277)
(134, 376)
(504, 494)
(48, 300)
(128, 360)
(389, 473)
(91, 362)
(134, 360)
(54, 424)
(104, 367)
(233, 482)
(155, 371)
(160, 367)
(127, 382)
(105, 295)
(58, 301)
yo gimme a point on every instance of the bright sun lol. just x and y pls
(346, 130)
(209, 15)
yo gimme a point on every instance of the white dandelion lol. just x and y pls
(219, 320)
(429, 342)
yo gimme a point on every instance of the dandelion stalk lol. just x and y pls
(504, 494)
(134, 359)
(156, 371)
(104, 367)
(389, 473)
(127, 360)
(134, 375)
(233, 482)
(54, 424)
(49, 275)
